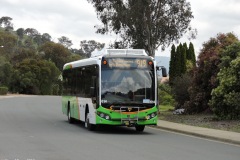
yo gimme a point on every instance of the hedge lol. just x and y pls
(3, 90)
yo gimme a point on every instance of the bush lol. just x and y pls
(225, 100)
(165, 96)
(206, 71)
(3, 90)
(55, 89)
(180, 90)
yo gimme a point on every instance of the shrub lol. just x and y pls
(55, 89)
(3, 90)
(180, 90)
(225, 100)
(205, 73)
(165, 95)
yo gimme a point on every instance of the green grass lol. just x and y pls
(165, 108)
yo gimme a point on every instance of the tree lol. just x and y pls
(20, 33)
(6, 70)
(23, 53)
(74, 57)
(165, 95)
(6, 23)
(205, 74)
(180, 90)
(183, 60)
(145, 24)
(46, 37)
(89, 46)
(56, 53)
(31, 32)
(178, 61)
(65, 41)
(78, 51)
(9, 43)
(191, 54)
(33, 37)
(172, 66)
(35, 77)
(225, 100)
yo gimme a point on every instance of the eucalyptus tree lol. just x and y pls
(146, 24)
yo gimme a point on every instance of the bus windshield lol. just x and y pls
(129, 85)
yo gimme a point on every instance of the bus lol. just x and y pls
(112, 87)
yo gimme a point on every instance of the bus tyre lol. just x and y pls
(140, 128)
(88, 125)
(70, 119)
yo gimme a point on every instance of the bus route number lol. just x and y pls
(142, 63)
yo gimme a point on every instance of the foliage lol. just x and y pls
(20, 32)
(3, 90)
(89, 46)
(23, 53)
(172, 66)
(144, 24)
(180, 90)
(191, 54)
(6, 70)
(225, 100)
(28, 59)
(46, 38)
(35, 77)
(204, 75)
(8, 43)
(65, 41)
(6, 23)
(165, 108)
(56, 53)
(165, 95)
(31, 32)
(182, 61)
(183, 50)
(78, 52)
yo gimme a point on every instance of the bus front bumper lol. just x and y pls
(126, 121)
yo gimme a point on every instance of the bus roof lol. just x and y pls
(119, 52)
(97, 55)
(81, 62)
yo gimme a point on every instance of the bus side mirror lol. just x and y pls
(164, 72)
(92, 91)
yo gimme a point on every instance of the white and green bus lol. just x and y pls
(113, 87)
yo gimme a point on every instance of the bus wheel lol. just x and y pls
(88, 125)
(70, 119)
(140, 128)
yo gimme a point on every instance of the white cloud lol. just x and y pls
(210, 18)
(76, 19)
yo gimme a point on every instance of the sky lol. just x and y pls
(76, 19)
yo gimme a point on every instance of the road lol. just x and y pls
(34, 128)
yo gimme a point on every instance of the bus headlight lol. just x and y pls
(107, 117)
(152, 115)
(103, 115)
(148, 117)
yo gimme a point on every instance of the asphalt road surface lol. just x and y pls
(34, 128)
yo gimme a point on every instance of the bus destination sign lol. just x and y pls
(127, 63)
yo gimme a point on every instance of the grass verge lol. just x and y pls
(200, 120)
